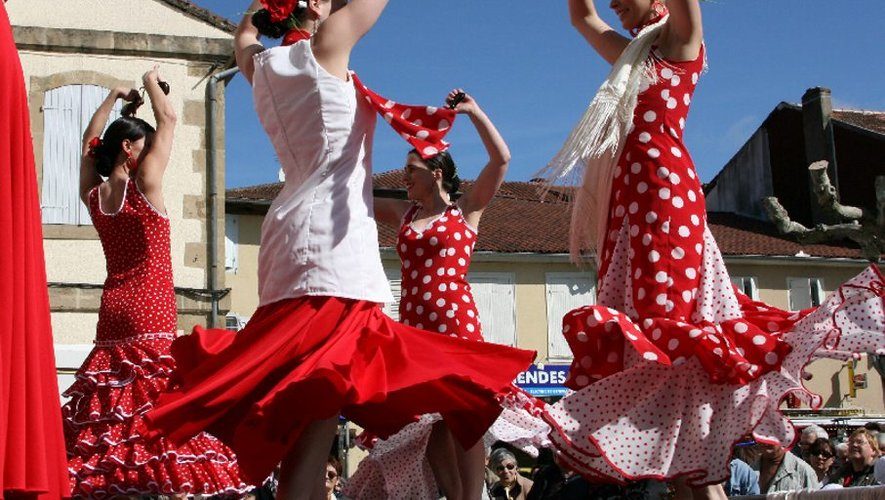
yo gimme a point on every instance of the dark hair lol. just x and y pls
(335, 463)
(444, 162)
(822, 443)
(261, 21)
(125, 127)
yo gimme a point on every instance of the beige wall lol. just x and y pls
(52, 57)
(132, 16)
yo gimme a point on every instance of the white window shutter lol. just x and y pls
(565, 292)
(66, 114)
(392, 308)
(800, 293)
(231, 242)
(495, 297)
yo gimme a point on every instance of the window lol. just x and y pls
(231, 242)
(234, 322)
(747, 285)
(565, 291)
(392, 308)
(805, 293)
(495, 297)
(66, 114)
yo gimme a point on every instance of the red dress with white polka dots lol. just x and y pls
(435, 293)
(129, 368)
(673, 365)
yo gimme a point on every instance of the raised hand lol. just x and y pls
(462, 102)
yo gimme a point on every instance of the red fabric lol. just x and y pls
(304, 359)
(129, 368)
(295, 36)
(424, 127)
(32, 453)
(435, 293)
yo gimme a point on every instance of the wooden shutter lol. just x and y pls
(565, 291)
(495, 297)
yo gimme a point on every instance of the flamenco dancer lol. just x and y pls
(319, 345)
(32, 456)
(673, 366)
(131, 363)
(435, 244)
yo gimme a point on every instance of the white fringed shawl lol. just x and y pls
(592, 149)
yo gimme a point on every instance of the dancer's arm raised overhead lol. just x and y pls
(477, 198)
(246, 41)
(684, 35)
(89, 177)
(337, 36)
(149, 174)
(585, 18)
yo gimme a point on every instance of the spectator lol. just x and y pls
(809, 435)
(822, 455)
(743, 480)
(510, 485)
(333, 476)
(859, 467)
(841, 454)
(782, 471)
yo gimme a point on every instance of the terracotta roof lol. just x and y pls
(205, 15)
(870, 120)
(517, 222)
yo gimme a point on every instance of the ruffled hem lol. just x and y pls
(324, 356)
(652, 421)
(103, 425)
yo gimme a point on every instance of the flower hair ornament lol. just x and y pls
(94, 144)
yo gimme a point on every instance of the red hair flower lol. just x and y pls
(94, 144)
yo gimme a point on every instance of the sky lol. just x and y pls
(534, 75)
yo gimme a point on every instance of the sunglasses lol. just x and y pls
(507, 466)
(821, 454)
(330, 475)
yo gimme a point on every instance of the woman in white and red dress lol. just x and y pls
(137, 322)
(319, 345)
(672, 366)
(435, 245)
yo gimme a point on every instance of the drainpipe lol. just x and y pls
(212, 190)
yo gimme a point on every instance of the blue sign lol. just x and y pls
(544, 380)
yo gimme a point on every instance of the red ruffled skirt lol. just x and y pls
(310, 358)
(32, 454)
(107, 453)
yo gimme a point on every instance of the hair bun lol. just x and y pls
(261, 21)
(454, 184)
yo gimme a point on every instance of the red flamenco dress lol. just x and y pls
(32, 462)
(129, 368)
(673, 366)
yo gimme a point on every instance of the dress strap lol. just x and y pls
(410, 214)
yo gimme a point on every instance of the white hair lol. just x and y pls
(817, 430)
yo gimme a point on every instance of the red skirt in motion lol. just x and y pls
(32, 449)
(305, 359)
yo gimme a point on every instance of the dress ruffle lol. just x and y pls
(103, 420)
(306, 359)
(604, 429)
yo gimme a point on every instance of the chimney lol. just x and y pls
(817, 111)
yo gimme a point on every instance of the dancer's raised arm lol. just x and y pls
(246, 41)
(89, 177)
(337, 36)
(477, 198)
(585, 18)
(149, 174)
(685, 32)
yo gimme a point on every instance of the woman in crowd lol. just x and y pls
(121, 181)
(821, 456)
(511, 485)
(319, 345)
(858, 470)
(667, 364)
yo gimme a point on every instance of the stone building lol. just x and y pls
(73, 52)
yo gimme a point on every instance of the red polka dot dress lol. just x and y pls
(435, 293)
(437, 297)
(673, 365)
(129, 368)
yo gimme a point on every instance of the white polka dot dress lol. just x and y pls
(436, 297)
(130, 367)
(673, 365)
